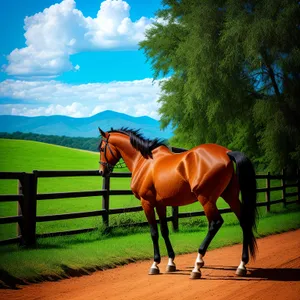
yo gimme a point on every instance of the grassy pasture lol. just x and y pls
(26, 156)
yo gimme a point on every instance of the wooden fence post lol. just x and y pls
(20, 209)
(268, 198)
(298, 185)
(283, 184)
(175, 218)
(105, 200)
(29, 189)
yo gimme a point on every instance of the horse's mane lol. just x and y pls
(139, 142)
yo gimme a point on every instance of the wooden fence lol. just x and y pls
(27, 198)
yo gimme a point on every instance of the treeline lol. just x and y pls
(233, 76)
(90, 144)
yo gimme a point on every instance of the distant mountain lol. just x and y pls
(82, 127)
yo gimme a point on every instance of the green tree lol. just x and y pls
(232, 73)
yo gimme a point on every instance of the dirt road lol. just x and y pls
(274, 275)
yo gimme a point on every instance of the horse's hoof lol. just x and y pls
(171, 268)
(200, 264)
(153, 271)
(241, 272)
(195, 275)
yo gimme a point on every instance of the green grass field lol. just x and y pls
(26, 156)
(17, 155)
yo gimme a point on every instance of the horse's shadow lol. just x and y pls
(274, 274)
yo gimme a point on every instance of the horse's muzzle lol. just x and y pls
(104, 173)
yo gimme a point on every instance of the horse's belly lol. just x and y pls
(179, 200)
(174, 193)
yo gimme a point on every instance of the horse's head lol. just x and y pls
(109, 155)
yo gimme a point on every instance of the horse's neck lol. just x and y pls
(128, 153)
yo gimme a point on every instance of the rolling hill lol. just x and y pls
(82, 127)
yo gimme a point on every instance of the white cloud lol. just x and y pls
(61, 30)
(31, 62)
(136, 98)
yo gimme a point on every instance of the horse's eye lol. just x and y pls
(101, 149)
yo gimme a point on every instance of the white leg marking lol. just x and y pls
(196, 273)
(171, 267)
(154, 269)
(154, 265)
(171, 262)
(200, 258)
(199, 263)
(241, 270)
(242, 265)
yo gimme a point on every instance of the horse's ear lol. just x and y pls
(101, 132)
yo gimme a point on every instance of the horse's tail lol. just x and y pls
(247, 182)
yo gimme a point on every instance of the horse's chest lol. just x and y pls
(142, 186)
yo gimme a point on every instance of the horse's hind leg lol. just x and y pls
(231, 196)
(215, 222)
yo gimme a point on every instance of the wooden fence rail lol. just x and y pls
(27, 198)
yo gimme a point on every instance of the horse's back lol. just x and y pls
(205, 158)
(212, 150)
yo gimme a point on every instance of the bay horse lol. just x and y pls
(161, 178)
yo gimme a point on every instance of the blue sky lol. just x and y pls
(76, 57)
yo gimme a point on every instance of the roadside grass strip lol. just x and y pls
(62, 257)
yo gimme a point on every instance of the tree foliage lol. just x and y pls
(232, 73)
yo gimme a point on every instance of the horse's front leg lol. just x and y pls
(162, 213)
(150, 215)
